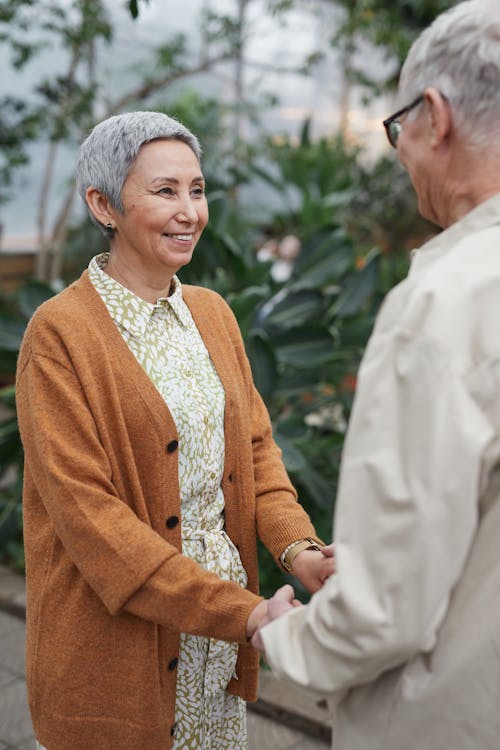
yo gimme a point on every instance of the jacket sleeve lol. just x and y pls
(406, 516)
(129, 566)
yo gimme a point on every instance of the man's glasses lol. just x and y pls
(393, 126)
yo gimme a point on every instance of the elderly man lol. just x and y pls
(405, 637)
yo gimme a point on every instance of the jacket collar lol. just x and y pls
(484, 215)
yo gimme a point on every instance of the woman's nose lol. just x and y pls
(187, 211)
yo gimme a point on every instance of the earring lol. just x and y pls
(110, 229)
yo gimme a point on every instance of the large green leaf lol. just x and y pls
(320, 490)
(304, 347)
(11, 335)
(8, 396)
(296, 308)
(357, 290)
(293, 383)
(355, 331)
(244, 304)
(292, 426)
(31, 295)
(263, 362)
(292, 457)
(259, 274)
(8, 363)
(10, 443)
(322, 261)
(9, 520)
(337, 198)
(316, 245)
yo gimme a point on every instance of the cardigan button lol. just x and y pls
(172, 731)
(230, 477)
(172, 522)
(173, 663)
(172, 446)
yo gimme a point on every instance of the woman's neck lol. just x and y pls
(136, 281)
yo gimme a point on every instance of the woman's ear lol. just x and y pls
(99, 206)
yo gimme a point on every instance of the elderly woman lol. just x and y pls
(150, 469)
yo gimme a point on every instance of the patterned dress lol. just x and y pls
(164, 339)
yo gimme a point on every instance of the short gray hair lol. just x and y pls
(459, 54)
(112, 147)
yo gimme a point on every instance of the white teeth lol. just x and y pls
(181, 236)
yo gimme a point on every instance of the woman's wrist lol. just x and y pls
(255, 617)
(295, 549)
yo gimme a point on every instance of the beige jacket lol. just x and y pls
(108, 590)
(405, 638)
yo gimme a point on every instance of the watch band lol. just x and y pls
(294, 549)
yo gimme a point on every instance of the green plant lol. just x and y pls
(15, 311)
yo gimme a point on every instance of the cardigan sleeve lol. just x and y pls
(129, 566)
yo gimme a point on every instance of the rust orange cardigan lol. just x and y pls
(108, 590)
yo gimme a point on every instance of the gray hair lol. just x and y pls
(459, 54)
(112, 147)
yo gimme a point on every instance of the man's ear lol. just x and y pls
(99, 206)
(440, 117)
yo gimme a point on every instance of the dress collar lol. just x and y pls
(127, 309)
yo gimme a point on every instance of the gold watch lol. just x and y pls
(294, 549)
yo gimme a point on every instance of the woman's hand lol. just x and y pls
(282, 602)
(313, 567)
(255, 618)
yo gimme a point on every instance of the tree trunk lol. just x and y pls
(43, 242)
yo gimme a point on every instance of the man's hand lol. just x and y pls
(328, 550)
(313, 567)
(283, 601)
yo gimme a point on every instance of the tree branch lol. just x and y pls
(151, 87)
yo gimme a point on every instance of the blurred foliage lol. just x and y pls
(15, 311)
(62, 107)
(390, 27)
(59, 106)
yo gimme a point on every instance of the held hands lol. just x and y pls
(260, 614)
(283, 601)
(313, 567)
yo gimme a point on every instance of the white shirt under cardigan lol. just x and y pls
(405, 638)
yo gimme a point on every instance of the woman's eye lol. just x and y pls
(166, 191)
(198, 191)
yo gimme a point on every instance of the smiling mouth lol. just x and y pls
(183, 237)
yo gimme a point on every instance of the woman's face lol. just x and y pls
(164, 210)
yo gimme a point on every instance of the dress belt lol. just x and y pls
(222, 655)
